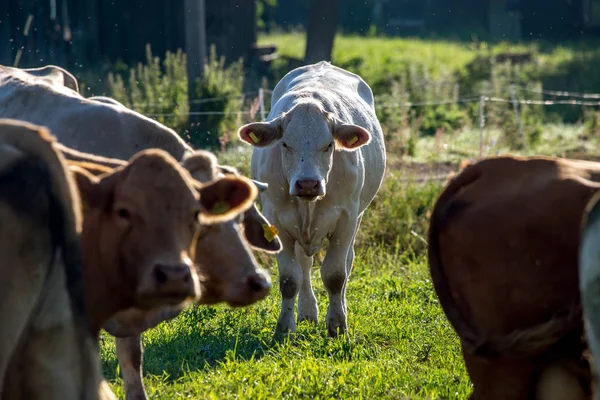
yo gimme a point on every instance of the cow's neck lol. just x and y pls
(102, 298)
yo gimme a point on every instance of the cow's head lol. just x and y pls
(228, 270)
(142, 221)
(307, 137)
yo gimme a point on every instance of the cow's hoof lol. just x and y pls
(336, 329)
(285, 327)
(309, 318)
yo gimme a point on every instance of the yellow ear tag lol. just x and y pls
(220, 208)
(253, 137)
(353, 140)
(270, 232)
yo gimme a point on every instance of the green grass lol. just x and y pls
(399, 345)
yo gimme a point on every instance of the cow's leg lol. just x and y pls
(561, 381)
(129, 355)
(307, 302)
(349, 262)
(290, 278)
(334, 273)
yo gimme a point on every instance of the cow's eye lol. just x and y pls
(284, 144)
(123, 214)
(329, 147)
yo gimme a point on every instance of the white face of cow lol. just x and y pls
(307, 137)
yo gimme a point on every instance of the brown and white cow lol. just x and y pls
(47, 350)
(503, 256)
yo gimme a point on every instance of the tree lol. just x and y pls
(320, 33)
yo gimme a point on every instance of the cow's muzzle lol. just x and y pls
(308, 189)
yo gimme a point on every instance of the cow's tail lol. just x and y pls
(524, 342)
(536, 339)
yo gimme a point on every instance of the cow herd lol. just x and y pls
(110, 221)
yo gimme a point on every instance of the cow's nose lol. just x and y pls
(307, 185)
(178, 273)
(258, 284)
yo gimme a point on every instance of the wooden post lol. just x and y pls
(195, 46)
(320, 33)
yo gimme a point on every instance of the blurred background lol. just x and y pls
(453, 79)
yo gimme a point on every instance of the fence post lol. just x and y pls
(513, 97)
(261, 100)
(481, 123)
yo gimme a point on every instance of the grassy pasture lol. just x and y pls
(399, 346)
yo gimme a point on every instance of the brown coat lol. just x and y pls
(503, 244)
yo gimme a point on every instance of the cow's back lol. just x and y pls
(96, 127)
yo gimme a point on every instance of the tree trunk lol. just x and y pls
(195, 46)
(322, 24)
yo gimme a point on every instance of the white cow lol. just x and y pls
(322, 153)
(48, 97)
(589, 281)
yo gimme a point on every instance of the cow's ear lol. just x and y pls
(224, 199)
(95, 191)
(260, 234)
(261, 134)
(88, 186)
(350, 137)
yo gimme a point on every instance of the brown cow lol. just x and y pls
(503, 242)
(46, 347)
(228, 272)
(143, 218)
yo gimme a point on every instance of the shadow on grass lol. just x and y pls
(197, 351)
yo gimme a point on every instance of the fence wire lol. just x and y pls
(259, 111)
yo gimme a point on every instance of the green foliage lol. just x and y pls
(262, 6)
(222, 87)
(154, 89)
(398, 217)
(160, 91)
(447, 118)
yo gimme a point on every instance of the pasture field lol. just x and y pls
(400, 345)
